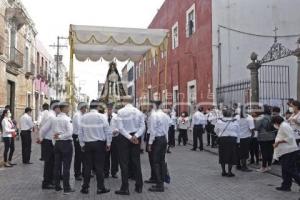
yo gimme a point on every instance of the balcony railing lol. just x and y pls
(15, 57)
(2, 45)
(30, 71)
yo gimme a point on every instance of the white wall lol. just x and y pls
(258, 17)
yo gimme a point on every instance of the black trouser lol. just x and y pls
(159, 152)
(26, 145)
(243, 152)
(182, 136)
(63, 152)
(289, 169)
(94, 156)
(48, 156)
(127, 151)
(254, 150)
(152, 177)
(211, 135)
(266, 148)
(198, 135)
(111, 159)
(9, 146)
(78, 158)
(171, 136)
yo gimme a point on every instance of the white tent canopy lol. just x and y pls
(94, 43)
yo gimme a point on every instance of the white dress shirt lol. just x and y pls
(94, 127)
(43, 117)
(76, 122)
(246, 126)
(199, 119)
(113, 126)
(131, 120)
(62, 125)
(285, 133)
(7, 127)
(159, 125)
(227, 127)
(46, 130)
(26, 122)
(173, 118)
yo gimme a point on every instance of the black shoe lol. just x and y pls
(224, 174)
(193, 149)
(122, 192)
(106, 176)
(48, 187)
(58, 188)
(239, 167)
(201, 149)
(84, 190)
(78, 178)
(169, 151)
(230, 174)
(150, 181)
(103, 191)
(68, 191)
(246, 169)
(114, 176)
(27, 163)
(12, 164)
(138, 190)
(283, 189)
(156, 189)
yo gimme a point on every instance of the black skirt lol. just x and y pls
(244, 148)
(227, 150)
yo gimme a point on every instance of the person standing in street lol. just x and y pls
(159, 128)
(171, 134)
(42, 119)
(78, 158)
(63, 149)
(46, 140)
(131, 126)
(26, 126)
(8, 135)
(198, 124)
(95, 139)
(111, 158)
(183, 127)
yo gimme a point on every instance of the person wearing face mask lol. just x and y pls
(183, 126)
(286, 150)
(8, 135)
(26, 126)
(294, 119)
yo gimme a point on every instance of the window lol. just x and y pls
(175, 37)
(190, 21)
(26, 59)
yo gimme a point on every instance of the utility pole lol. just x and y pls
(58, 60)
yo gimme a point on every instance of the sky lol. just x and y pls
(53, 17)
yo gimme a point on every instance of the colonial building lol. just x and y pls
(17, 57)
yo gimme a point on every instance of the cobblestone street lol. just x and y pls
(195, 176)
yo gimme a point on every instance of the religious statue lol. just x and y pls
(113, 88)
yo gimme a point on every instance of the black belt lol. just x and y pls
(198, 125)
(26, 131)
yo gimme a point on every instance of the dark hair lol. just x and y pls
(63, 105)
(276, 109)
(94, 104)
(296, 104)
(242, 112)
(267, 110)
(2, 117)
(7, 107)
(200, 109)
(45, 106)
(82, 105)
(277, 120)
(227, 113)
(54, 104)
(28, 109)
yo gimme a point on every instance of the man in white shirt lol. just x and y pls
(26, 126)
(42, 119)
(198, 124)
(63, 150)
(131, 126)
(159, 128)
(78, 158)
(95, 139)
(46, 137)
(111, 157)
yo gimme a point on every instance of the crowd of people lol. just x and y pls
(106, 138)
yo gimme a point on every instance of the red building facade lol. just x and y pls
(183, 73)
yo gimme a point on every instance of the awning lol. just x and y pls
(94, 43)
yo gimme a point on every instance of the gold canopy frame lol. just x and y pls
(109, 43)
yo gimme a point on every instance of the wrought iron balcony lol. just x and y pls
(15, 58)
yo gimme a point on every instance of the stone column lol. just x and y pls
(254, 67)
(297, 54)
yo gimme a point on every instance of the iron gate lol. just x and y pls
(274, 88)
